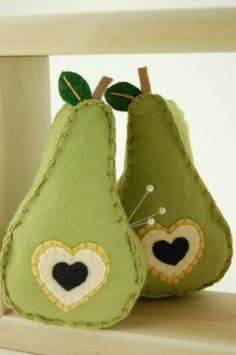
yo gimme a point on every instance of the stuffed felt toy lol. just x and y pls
(69, 256)
(188, 244)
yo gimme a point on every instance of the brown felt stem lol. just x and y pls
(144, 80)
(101, 87)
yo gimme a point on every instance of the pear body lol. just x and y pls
(69, 257)
(189, 247)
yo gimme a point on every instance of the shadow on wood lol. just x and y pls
(200, 323)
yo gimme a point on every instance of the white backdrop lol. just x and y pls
(204, 86)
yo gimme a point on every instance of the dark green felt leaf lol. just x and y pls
(73, 88)
(120, 95)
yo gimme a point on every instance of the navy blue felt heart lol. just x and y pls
(171, 253)
(70, 276)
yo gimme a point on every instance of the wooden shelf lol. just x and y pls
(200, 323)
(194, 30)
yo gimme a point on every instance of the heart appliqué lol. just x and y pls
(172, 252)
(70, 277)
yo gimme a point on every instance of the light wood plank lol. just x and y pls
(201, 323)
(194, 30)
(24, 122)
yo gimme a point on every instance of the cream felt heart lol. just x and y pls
(68, 276)
(172, 252)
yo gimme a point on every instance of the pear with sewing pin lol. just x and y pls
(69, 256)
(189, 247)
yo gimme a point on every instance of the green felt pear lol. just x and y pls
(69, 256)
(186, 240)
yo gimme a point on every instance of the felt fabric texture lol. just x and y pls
(73, 88)
(157, 155)
(182, 125)
(73, 201)
(172, 252)
(70, 276)
(120, 95)
(90, 257)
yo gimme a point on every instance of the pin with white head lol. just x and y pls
(147, 220)
(149, 189)
(151, 221)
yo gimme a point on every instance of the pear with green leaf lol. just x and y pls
(186, 240)
(69, 256)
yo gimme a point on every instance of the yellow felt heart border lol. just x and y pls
(181, 222)
(42, 248)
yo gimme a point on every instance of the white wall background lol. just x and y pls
(204, 86)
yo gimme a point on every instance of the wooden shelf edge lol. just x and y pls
(158, 31)
(201, 323)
